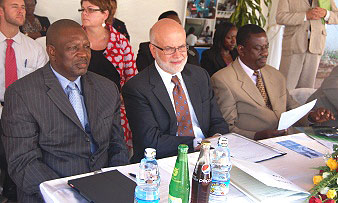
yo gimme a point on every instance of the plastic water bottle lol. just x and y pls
(148, 179)
(220, 166)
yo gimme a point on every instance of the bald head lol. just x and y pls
(168, 45)
(164, 27)
(56, 30)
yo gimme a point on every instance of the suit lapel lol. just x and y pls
(161, 93)
(193, 92)
(58, 96)
(271, 88)
(91, 101)
(247, 84)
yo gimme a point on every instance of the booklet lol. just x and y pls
(247, 149)
(263, 185)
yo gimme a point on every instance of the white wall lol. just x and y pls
(138, 15)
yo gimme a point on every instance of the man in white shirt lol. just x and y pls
(251, 94)
(170, 102)
(29, 56)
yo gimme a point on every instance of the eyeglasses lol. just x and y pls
(172, 50)
(89, 10)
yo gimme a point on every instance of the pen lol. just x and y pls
(25, 63)
(132, 175)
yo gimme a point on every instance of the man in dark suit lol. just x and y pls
(61, 120)
(144, 57)
(170, 102)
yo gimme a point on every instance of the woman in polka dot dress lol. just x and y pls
(112, 54)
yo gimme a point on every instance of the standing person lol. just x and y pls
(144, 57)
(61, 120)
(108, 45)
(223, 51)
(172, 97)
(35, 26)
(303, 40)
(15, 62)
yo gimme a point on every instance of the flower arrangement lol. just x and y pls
(326, 182)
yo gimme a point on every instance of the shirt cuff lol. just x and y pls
(305, 19)
(197, 141)
(326, 18)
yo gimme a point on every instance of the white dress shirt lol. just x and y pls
(29, 56)
(166, 78)
(248, 71)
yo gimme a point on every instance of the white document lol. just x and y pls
(288, 118)
(243, 148)
(261, 184)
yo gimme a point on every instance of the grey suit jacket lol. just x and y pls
(327, 97)
(241, 103)
(152, 116)
(43, 137)
(291, 13)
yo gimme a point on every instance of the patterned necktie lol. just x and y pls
(184, 124)
(74, 97)
(261, 88)
(10, 64)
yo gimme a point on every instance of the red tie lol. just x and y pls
(184, 125)
(10, 64)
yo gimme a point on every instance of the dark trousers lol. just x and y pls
(9, 187)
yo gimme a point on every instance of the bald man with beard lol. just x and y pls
(154, 113)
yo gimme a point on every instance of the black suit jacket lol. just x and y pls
(152, 117)
(44, 24)
(212, 60)
(43, 137)
(145, 59)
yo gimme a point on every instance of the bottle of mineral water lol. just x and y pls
(148, 179)
(220, 166)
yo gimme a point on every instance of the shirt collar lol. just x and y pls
(64, 81)
(166, 77)
(17, 38)
(248, 70)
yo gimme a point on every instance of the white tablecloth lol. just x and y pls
(292, 166)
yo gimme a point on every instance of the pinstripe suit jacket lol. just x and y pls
(43, 137)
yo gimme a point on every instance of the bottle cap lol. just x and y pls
(183, 148)
(150, 152)
(223, 141)
(206, 142)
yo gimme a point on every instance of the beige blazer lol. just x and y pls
(327, 97)
(241, 103)
(291, 13)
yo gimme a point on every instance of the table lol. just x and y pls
(293, 166)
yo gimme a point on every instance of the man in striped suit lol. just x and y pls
(53, 129)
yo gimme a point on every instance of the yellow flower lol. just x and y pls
(331, 194)
(317, 179)
(332, 164)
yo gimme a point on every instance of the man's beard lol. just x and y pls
(170, 68)
(14, 21)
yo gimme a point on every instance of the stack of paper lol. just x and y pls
(262, 185)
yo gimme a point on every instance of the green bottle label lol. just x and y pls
(172, 199)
